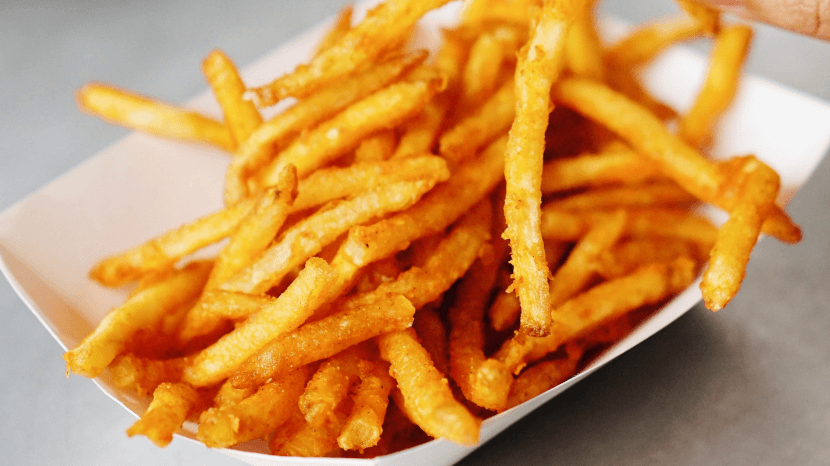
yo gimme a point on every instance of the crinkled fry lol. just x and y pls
(483, 125)
(609, 300)
(295, 305)
(340, 26)
(542, 377)
(323, 338)
(649, 40)
(172, 403)
(364, 426)
(256, 416)
(426, 393)
(329, 386)
(162, 252)
(151, 116)
(383, 27)
(386, 108)
(437, 210)
(275, 133)
(144, 310)
(377, 147)
(433, 336)
(241, 116)
(657, 194)
(540, 62)
(614, 164)
(143, 375)
(727, 58)
(580, 266)
(649, 137)
(756, 192)
(308, 237)
(629, 255)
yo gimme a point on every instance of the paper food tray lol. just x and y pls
(142, 186)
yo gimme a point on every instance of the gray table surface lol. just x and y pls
(746, 386)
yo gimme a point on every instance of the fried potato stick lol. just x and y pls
(329, 386)
(708, 17)
(145, 309)
(299, 438)
(583, 49)
(648, 41)
(433, 336)
(256, 416)
(383, 27)
(657, 194)
(241, 116)
(542, 377)
(376, 148)
(324, 338)
(364, 426)
(540, 62)
(341, 25)
(275, 133)
(141, 113)
(172, 403)
(426, 393)
(162, 252)
(229, 396)
(484, 64)
(615, 163)
(143, 375)
(629, 255)
(727, 58)
(296, 304)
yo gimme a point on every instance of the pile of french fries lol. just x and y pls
(456, 233)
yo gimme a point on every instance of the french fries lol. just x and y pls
(364, 263)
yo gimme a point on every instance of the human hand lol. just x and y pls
(810, 17)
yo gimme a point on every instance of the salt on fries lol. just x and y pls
(330, 324)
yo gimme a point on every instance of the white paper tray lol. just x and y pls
(142, 186)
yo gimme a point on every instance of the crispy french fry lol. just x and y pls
(144, 310)
(540, 62)
(299, 438)
(433, 336)
(305, 294)
(629, 255)
(216, 307)
(657, 194)
(754, 200)
(255, 416)
(383, 27)
(616, 163)
(542, 377)
(324, 338)
(275, 133)
(241, 116)
(364, 426)
(426, 393)
(329, 386)
(648, 41)
(376, 148)
(484, 64)
(341, 25)
(727, 57)
(143, 375)
(229, 396)
(384, 109)
(151, 116)
(708, 17)
(172, 403)
(583, 49)
(504, 312)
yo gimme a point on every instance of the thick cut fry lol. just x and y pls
(433, 336)
(172, 403)
(386, 108)
(308, 237)
(143, 375)
(755, 197)
(580, 266)
(426, 393)
(448, 201)
(341, 25)
(386, 25)
(649, 137)
(144, 310)
(150, 116)
(256, 416)
(615, 164)
(365, 423)
(540, 62)
(727, 58)
(542, 377)
(629, 255)
(377, 147)
(657, 194)
(241, 116)
(483, 125)
(324, 338)
(262, 146)
(305, 294)
(161, 253)
(649, 40)
(329, 386)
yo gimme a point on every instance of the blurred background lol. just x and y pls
(744, 387)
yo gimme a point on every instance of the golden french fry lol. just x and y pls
(256, 416)
(516, 12)
(583, 48)
(629, 255)
(376, 148)
(143, 375)
(386, 25)
(229, 396)
(615, 163)
(484, 64)
(364, 426)
(433, 336)
(162, 252)
(657, 194)
(144, 310)
(708, 17)
(754, 199)
(648, 41)
(540, 62)
(542, 377)
(151, 116)
(323, 338)
(299, 438)
(305, 294)
(275, 133)
(241, 116)
(426, 393)
(172, 403)
(386, 108)
(215, 307)
(727, 57)
(329, 386)
(340, 26)
(504, 312)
